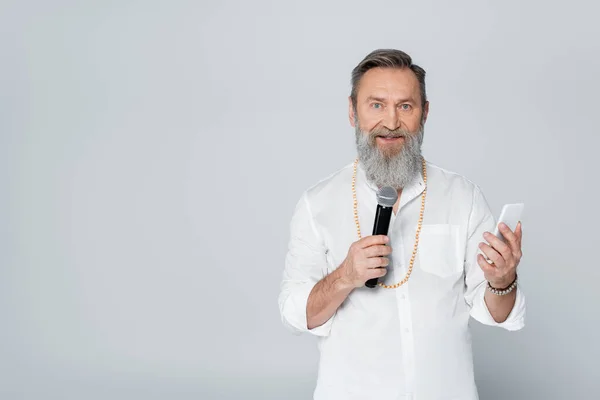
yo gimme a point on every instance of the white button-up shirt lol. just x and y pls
(412, 342)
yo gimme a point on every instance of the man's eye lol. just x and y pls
(377, 105)
(405, 107)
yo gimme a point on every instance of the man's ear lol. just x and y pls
(425, 111)
(351, 112)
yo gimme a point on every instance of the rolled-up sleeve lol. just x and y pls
(305, 265)
(481, 220)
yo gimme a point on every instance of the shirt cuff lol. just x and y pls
(515, 320)
(294, 312)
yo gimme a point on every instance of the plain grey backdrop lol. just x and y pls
(151, 154)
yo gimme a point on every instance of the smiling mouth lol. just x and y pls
(390, 137)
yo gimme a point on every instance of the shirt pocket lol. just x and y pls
(439, 249)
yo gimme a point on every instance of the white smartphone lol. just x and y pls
(511, 214)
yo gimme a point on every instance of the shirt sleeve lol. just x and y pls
(481, 220)
(305, 265)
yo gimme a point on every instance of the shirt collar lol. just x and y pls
(411, 191)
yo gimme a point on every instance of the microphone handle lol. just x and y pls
(381, 226)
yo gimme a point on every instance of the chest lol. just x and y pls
(442, 234)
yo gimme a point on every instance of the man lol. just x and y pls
(408, 337)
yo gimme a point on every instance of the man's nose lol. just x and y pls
(392, 120)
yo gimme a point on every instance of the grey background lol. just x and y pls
(151, 154)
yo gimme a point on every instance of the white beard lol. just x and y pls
(397, 170)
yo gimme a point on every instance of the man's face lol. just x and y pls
(388, 99)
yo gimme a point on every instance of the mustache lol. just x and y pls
(388, 133)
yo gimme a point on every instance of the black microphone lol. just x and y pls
(386, 198)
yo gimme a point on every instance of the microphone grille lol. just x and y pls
(387, 196)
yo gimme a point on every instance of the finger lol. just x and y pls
(488, 269)
(519, 233)
(492, 254)
(502, 248)
(377, 251)
(373, 240)
(376, 273)
(378, 262)
(510, 237)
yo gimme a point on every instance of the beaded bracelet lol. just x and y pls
(505, 291)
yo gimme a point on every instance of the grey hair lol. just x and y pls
(386, 58)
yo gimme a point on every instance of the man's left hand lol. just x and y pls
(505, 257)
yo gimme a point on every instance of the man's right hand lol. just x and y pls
(366, 259)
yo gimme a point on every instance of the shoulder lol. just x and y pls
(458, 191)
(447, 179)
(331, 185)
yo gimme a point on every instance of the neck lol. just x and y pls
(395, 208)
